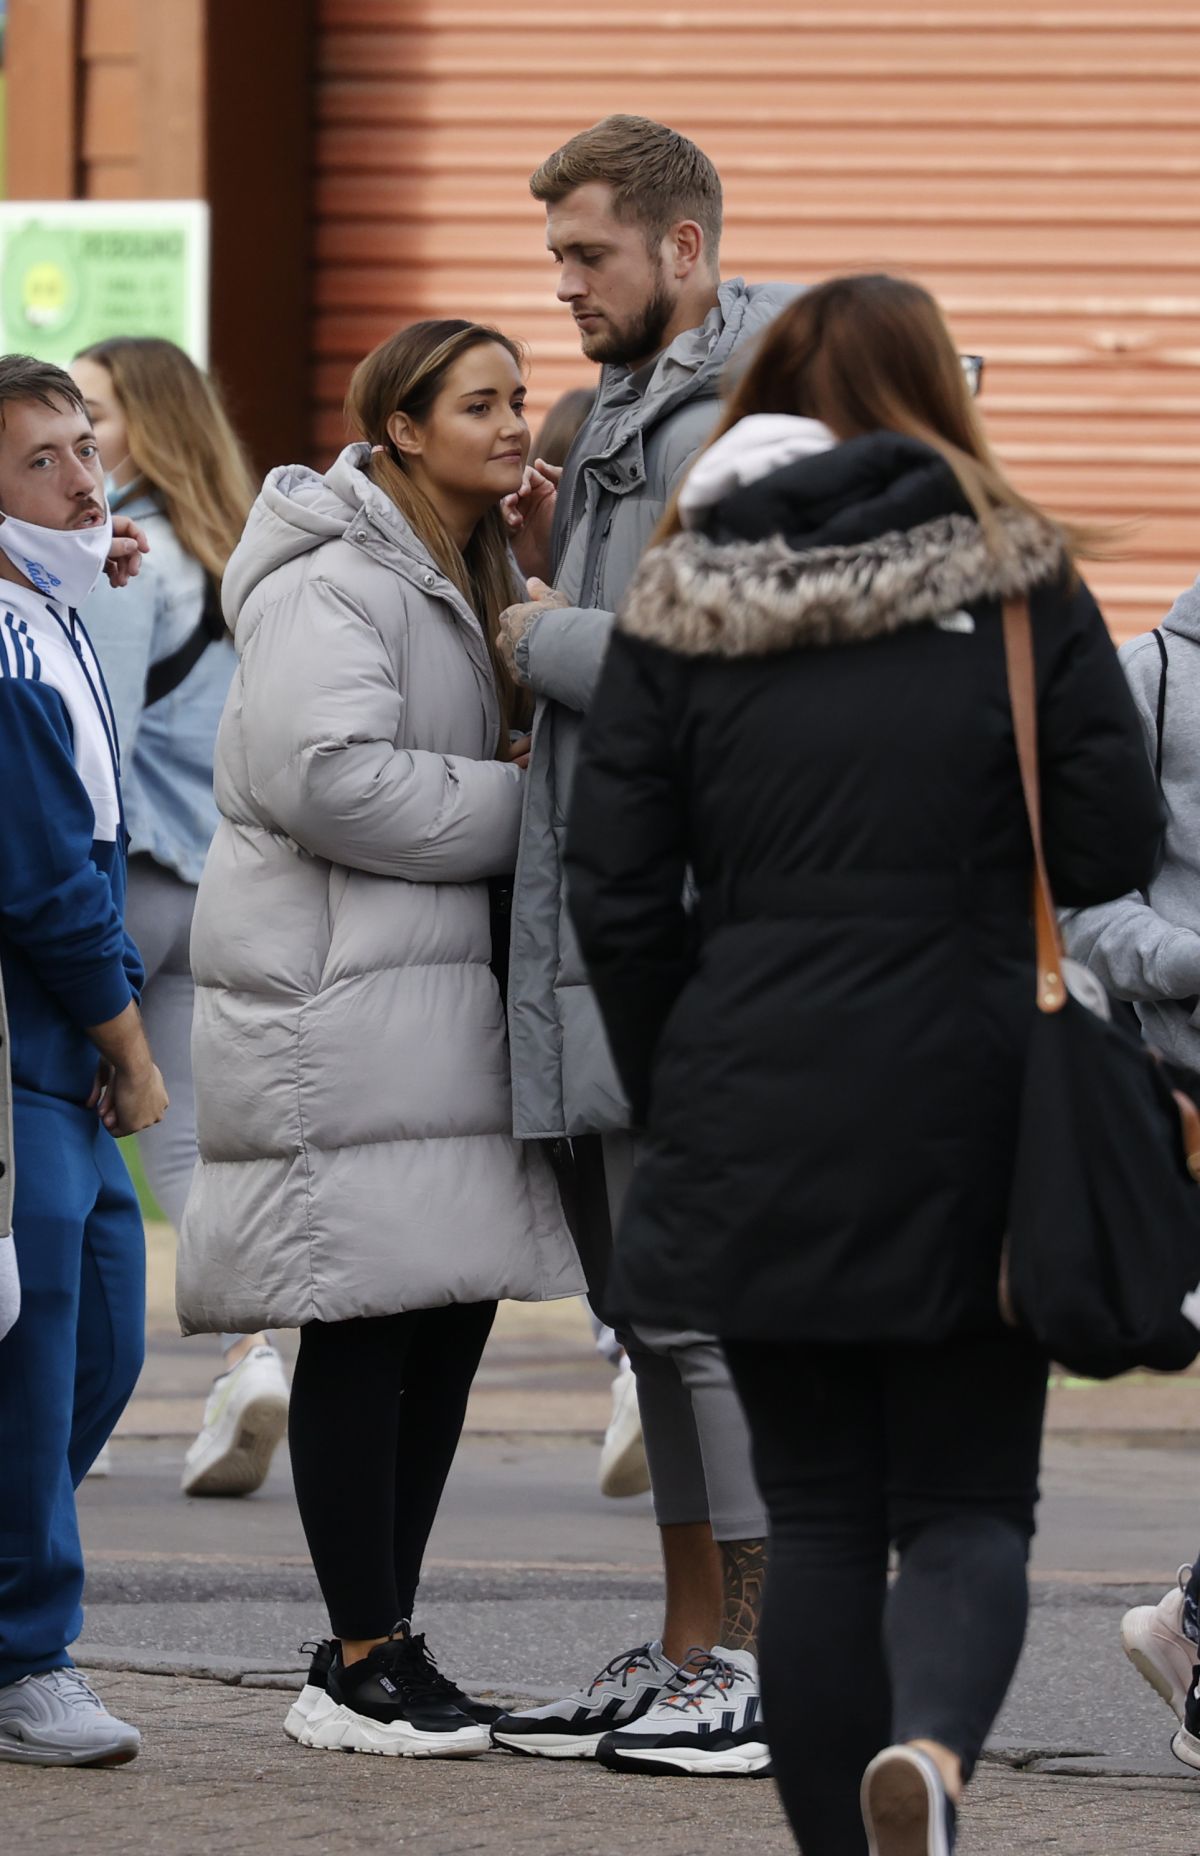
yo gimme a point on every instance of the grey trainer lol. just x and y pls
(57, 1720)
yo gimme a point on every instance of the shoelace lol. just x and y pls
(407, 1661)
(426, 1671)
(701, 1674)
(70, 1686)
(629, 1663)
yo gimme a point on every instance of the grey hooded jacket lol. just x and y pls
(631, 454)
(1147, 949)
(352, 1090)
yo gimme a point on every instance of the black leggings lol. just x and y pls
(376, 1413)
(935, 1449)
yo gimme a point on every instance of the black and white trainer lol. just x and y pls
(573, 1728)
(1186, 1742)
(905, 1809)
(393, 1701)
(708, 1720)
(314, 1695)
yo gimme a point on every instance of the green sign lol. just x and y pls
(76, 272)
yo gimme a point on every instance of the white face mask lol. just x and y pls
(62, 563)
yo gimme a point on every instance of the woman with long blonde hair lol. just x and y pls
(358, 1177)
(805, 705)
(174, 463)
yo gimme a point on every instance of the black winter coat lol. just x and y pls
(807, 708)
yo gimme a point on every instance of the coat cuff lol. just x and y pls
(96, 997)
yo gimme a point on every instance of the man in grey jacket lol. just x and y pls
(634, 221)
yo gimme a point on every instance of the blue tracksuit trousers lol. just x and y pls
(68, 1367)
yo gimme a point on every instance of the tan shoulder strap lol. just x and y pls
(1022, 695)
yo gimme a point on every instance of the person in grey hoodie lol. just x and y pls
(634, 222)
(1146, 949)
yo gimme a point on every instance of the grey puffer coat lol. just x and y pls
(632, 453)
(351, 1069)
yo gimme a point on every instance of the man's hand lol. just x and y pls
(529, 513)
(125, 556)
(128, 1091)
(516, 620)
(129, 1100)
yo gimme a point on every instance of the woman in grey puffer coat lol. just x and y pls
(358, 1177)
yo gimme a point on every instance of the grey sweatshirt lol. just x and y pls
(1148, 949)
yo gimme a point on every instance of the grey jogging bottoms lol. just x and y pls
(697, 1440)
(158, 914)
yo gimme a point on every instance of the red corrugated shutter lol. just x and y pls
(1039, 168)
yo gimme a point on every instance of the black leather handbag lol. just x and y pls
(1103, 1238)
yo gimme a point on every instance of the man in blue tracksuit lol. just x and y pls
(81, 1068)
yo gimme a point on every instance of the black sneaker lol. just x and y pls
(422, 1661)
(392, 1702)
(1186, 1743)
(312, 1694)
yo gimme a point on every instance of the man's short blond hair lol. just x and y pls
(657, 177)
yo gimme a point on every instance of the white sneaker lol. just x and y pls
(244, 1419)
(707, 1720)
(574, 1727)
(623, 1467)
(57, 1720)
(1153, 1640)
(103, 1464)
(905, 1809)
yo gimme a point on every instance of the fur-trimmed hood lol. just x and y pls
(739, 594)
(747, 598)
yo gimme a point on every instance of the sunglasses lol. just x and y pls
(972, 367)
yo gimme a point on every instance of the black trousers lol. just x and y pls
(377, 1409)
(936, 1450)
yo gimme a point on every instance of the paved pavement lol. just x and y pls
(195, 1610)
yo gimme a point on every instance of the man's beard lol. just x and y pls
(636, 340)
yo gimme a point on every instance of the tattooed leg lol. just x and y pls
(743, 1567)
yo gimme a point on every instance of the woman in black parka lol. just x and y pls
(805, 707)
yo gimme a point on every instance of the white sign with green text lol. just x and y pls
(73, 272)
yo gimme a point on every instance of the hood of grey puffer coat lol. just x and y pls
(299, 510)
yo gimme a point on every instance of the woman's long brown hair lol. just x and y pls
(405, 374)
(873, 353)
(181, 443)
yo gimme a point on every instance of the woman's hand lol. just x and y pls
(529, 514)
(517, 751)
